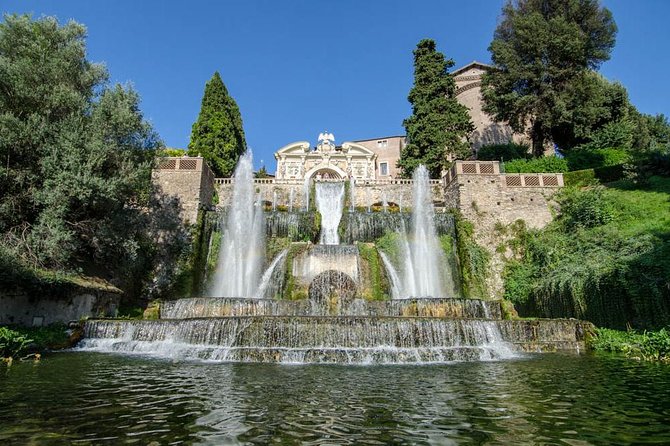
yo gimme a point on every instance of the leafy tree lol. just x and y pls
(593, 110)
(439, 125)
(44, 80)
(218, 135)
(503, 152)
(541, 50)
(262, 173)
(75, 177)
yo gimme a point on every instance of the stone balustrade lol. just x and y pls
(492, 168)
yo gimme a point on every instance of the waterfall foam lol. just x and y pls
(329, 202)
(241, 255)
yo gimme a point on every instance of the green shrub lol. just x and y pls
(580, 159)
(586, 209)
(648, 345)
(503, 152)
(473, 260)
(12, 343)
(537, 165)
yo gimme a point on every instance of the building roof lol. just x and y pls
(473, 64)
(376, 139)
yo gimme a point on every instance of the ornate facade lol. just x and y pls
(299, 161)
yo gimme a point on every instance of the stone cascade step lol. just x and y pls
(424, 307)
(331, 339)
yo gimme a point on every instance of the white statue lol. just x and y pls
(326, 138)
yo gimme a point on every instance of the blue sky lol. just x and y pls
(300, 67)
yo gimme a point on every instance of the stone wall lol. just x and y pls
(20, 309)
(366, 193)
(490, 199)
(189, 179)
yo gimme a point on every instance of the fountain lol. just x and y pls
(339, 301)
(424, 274)
(241, 255)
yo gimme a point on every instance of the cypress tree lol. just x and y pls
(439, 125)
(218, 135)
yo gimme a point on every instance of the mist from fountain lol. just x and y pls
(242, 250)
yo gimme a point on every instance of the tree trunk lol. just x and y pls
(537, 137)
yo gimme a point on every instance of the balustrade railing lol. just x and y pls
(492, 168)
(359, 182)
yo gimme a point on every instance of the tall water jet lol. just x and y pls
(425, 271)
(274, 201)
(352, 194)
(396, 283)
(241, 256)
(329, 202)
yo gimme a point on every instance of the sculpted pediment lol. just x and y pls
(295, 148)
(351, 148)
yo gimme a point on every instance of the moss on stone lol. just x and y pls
(292, 290)
(374, 283)
(473, 260)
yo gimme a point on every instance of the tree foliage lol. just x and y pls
(503, 152)
(439, 125)
(218, 135)
(75, 177)
(542, 51)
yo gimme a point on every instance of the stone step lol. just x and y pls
(424, 307)
(339, 332)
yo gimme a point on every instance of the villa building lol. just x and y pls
(376, 158)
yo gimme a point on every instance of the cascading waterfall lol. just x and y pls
(329, 202)
(242, 250)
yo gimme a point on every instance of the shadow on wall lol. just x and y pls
(494, 133)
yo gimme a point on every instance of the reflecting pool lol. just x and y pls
(93, 398)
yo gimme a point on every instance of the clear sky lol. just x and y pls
(300, 67)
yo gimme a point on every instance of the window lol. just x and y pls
(381, 144)
(383, 169)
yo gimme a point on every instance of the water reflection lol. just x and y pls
(86, 398)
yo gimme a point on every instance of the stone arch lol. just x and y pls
(331, 169)
(332, 285)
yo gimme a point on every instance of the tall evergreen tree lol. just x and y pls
(439, 125)
(218, 135)
(540, 50)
